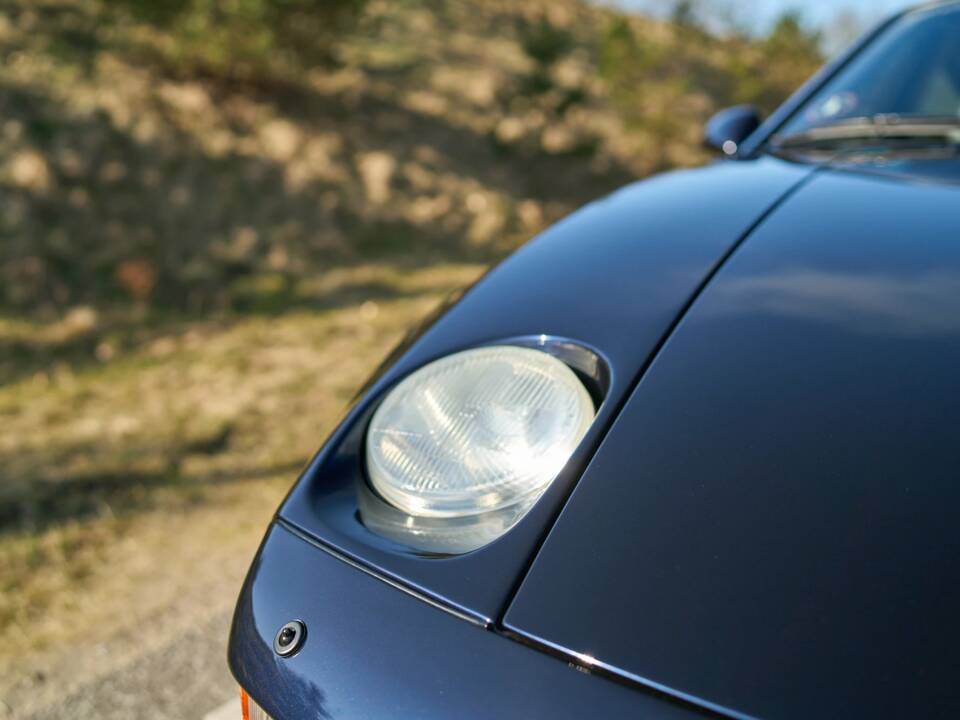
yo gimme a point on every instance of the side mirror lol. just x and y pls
(728, 128)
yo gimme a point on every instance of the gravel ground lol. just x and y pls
(185, 678)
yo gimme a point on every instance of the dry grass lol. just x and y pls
(156, 473)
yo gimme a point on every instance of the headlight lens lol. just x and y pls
(477, 431)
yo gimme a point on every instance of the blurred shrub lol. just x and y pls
(241, 37)
(685, 14)
(662, 81)
(647, 78)
(543, 109)
(790, 55)
(545, 44)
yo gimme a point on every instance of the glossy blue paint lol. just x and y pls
(771, 524)
(614, 276)
(375, 652)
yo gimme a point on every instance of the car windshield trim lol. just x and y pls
(907, 65)
(876, 127)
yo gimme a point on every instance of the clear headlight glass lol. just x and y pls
(482, 431)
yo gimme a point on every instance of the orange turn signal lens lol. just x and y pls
(249, 709)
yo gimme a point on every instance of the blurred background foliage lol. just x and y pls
(243, 38)
(122, 202)
(216, 216)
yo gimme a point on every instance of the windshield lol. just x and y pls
(912, 70)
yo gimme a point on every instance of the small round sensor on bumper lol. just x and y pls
(289, 638)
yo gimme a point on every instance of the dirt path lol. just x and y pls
(185, 678)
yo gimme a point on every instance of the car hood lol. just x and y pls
(770, 528)
(613, 277)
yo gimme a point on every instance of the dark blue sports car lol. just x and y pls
(692, 452)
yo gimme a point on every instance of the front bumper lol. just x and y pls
(373, 651)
